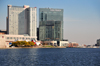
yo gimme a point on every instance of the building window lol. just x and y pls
(7, 37)
(10, 37)
(23, 38)
(58, 29)
(20, 37)
(14, 37)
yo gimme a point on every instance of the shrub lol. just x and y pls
(22, 44)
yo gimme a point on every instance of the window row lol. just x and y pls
(20, 38)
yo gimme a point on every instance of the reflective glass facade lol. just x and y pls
(50, 24)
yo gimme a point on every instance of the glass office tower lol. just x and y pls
(50, 24)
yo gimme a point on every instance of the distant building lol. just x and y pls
(63, 43)
(22, 20)
(50, 24)
(73, 44)
(98, 42)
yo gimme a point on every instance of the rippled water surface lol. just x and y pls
(50, 57)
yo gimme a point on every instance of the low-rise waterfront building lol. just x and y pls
(53, 43)
(63, 43)
(73, 44)
(56, 43)
(6, 39)
(11, 38)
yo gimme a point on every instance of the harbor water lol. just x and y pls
(50, 57)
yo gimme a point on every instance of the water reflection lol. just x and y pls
(50, 57)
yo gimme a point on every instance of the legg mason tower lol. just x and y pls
(21, 20)
(50, 24)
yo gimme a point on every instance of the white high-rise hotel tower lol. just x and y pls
(22, 21)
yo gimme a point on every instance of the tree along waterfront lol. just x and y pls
(23, 44)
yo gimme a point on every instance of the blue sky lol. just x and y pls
(81, 17)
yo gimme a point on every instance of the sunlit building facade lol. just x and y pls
(21, 20)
